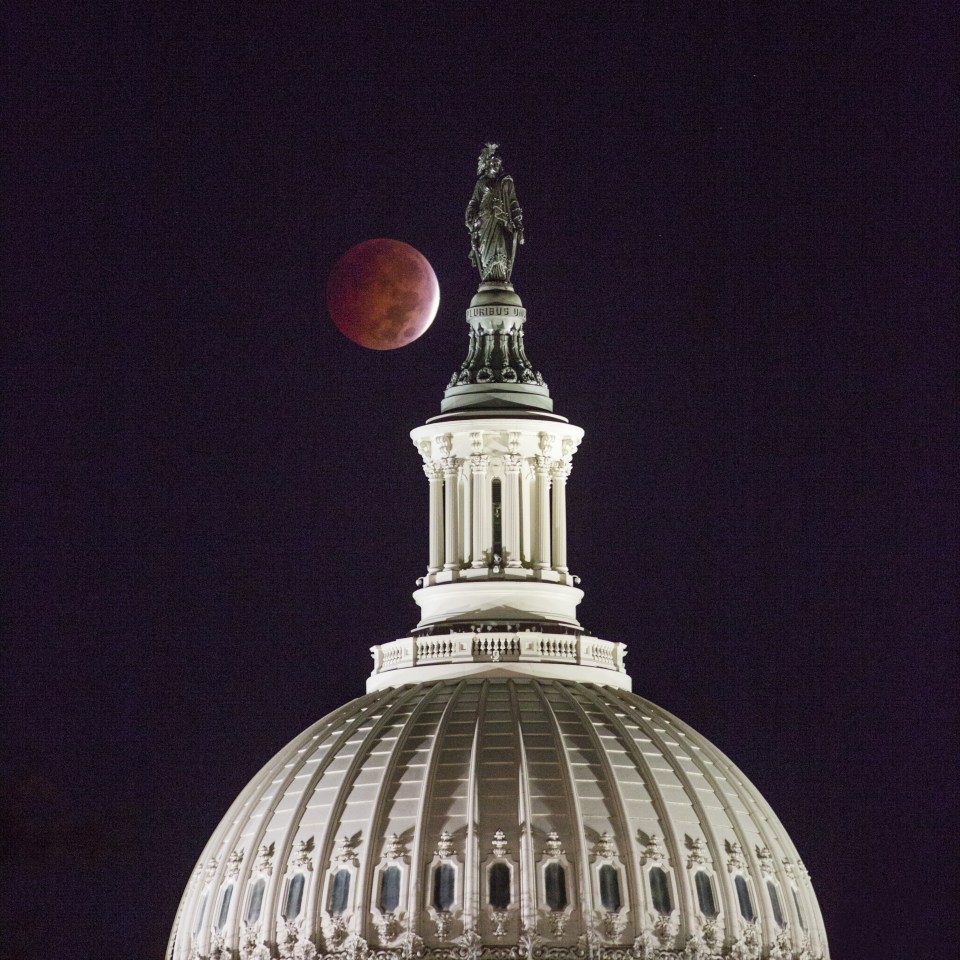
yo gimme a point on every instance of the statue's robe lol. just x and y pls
(495, 205)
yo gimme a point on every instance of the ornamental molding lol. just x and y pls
(698, 854)
(499, 846)
(292, 943)
(665, 928)
(234, 864)
(588, 947)
(747, 945)
(210, 869)
(389, 925)
(558, 920)
(264, 862)
(303, 859)
(218, 947)
(468, 945)
(347, 852)
(252, 947)
(766, 861)
(654, 851)
(604, 849)
(552, 847)
(445, 846)
(735, 859)
(395, 848)
(611, 926)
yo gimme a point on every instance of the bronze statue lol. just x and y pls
(494, 219)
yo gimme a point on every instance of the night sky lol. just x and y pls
(741, 280)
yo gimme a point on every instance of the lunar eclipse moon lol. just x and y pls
(383, 294)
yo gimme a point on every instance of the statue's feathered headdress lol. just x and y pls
(489, 149)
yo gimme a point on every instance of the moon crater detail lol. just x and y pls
(383, 294)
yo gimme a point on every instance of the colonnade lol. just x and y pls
(531, 506)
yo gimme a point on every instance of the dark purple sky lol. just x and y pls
(741, 278)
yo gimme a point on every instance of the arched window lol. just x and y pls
(660, 890)
(609, 889)
(497, 513)
(340, 893)
(708, 906)
(389, 890)
(743, 895)
(255, 904)
(775, 903)
(444, 887)
(224, 907)
(498, 886)
(203, 912)
(555, 880)
(291, 909)
(796, 901)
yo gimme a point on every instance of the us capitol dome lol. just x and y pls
(499, 793)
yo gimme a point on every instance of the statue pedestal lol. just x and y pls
(496, 373)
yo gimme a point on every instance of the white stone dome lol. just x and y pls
(499, 793)
(494, 815)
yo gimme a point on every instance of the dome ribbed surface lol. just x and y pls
(628, 802)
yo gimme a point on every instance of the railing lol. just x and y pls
(529, 646)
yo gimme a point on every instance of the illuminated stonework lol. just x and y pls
(499, 793)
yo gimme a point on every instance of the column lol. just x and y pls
(434, 474)
(512, 464)
(451, 470)
(481, 508)
(560, 472)
(541, 532)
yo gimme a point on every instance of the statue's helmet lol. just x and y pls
(486, 156)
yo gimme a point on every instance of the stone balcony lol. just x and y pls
(530, 651)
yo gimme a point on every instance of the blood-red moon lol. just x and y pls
(383, 294)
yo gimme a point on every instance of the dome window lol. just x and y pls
(555, 881)
(775, 902)
(224, 907)
(796, 901)
(660, 890)
(389, 890)
(496, 497)
(610, 889)
(203, 912)
(339, 893)
(444, 887)
(498, 886)
(255, 903)
(708, 905)
(743, 896)
(294, 902)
